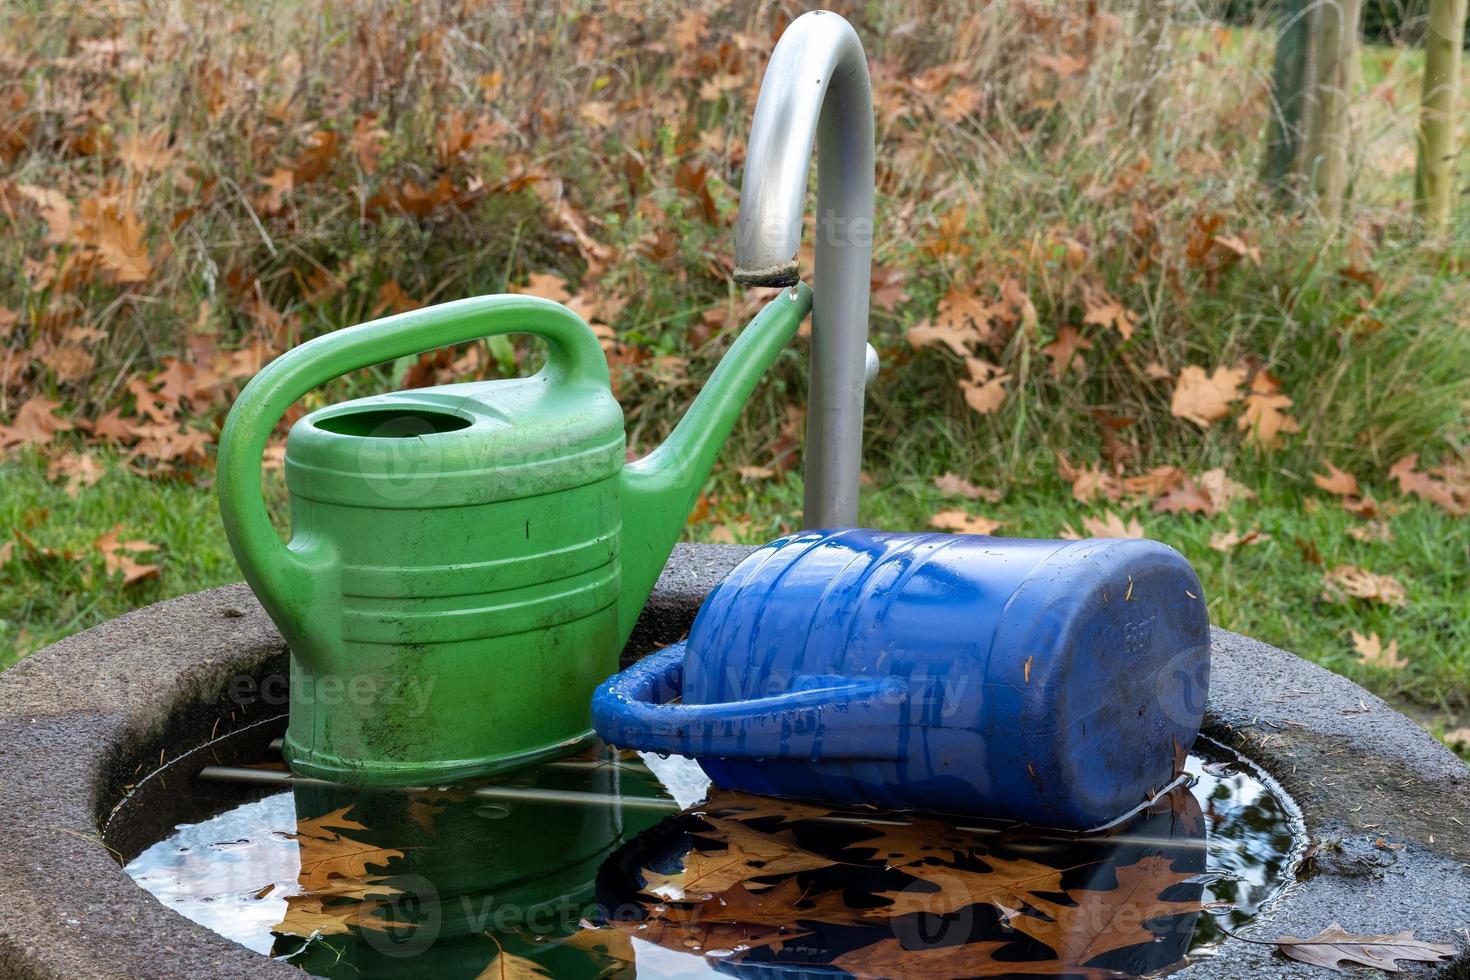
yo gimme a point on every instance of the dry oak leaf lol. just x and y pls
(1063, 350)
(1372, 531)
(1206, 398)
(1334, 946)
(113, 226)
(55, 211)
(1223, 491)
(278, 184)
(116, 556)
(963, 523)
(1110, 525)
(69, 362)
(1372, 652)
(146, 153)
(1349, 580)
(1088, 482)
(1425, 487)
(985, 391)
(1187, 497)
(35, 424)
(953, 485)
(79, 469)
(316, 157)
(1228, 541)
(547, 285)
(1337, 481)
(1264, 420)
(962, 321)
(1159, 480)
(367, 142)
(929, 335)
(1104, 311)
(393, 298)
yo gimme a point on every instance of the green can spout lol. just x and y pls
(659, 490)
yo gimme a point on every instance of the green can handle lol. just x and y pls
(289, 580)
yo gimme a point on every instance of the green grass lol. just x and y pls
(1269, 590)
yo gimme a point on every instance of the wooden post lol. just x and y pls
(1329, 137)
(1315, 70)
(1148, 56)
(1293, 95)
(1434, 182)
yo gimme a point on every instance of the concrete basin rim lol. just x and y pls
(64, 738)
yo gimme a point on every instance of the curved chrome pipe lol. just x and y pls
(816, 91)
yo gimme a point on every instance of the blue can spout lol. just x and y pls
(826, 718)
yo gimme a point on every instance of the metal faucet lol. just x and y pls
(816, 89)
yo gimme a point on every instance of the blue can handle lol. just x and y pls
(845, 718)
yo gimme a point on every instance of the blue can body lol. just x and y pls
(1051, 682)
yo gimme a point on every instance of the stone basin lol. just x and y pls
(89, 720)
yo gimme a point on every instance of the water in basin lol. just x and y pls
(611, 864)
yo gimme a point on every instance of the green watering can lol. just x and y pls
(467, 560)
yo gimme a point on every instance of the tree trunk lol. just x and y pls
(1435, 179)
(1337, 69)
(1316, 69)
(1148, 57)
(1294, 95)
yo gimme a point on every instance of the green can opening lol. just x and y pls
(392, 423)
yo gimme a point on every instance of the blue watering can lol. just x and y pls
(1052, 682)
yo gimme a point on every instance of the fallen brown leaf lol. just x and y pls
(957, 486)
(1228, 541)
(1337, 481)
(961, 522)
(1345, 581)
(1206, 398)
(1372, 652)
(1110, 525)
(1334, 946)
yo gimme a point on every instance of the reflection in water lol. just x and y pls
(584, 867)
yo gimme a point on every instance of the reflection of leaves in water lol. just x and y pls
(426, 804)
(916, 840)
(762, 885)
(1005, 886)
(713, 938)
(889, 959)
(336, 891)
(747, 853)
(610, 951)
(508, 966)
(778, 906)
(1102, 921)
